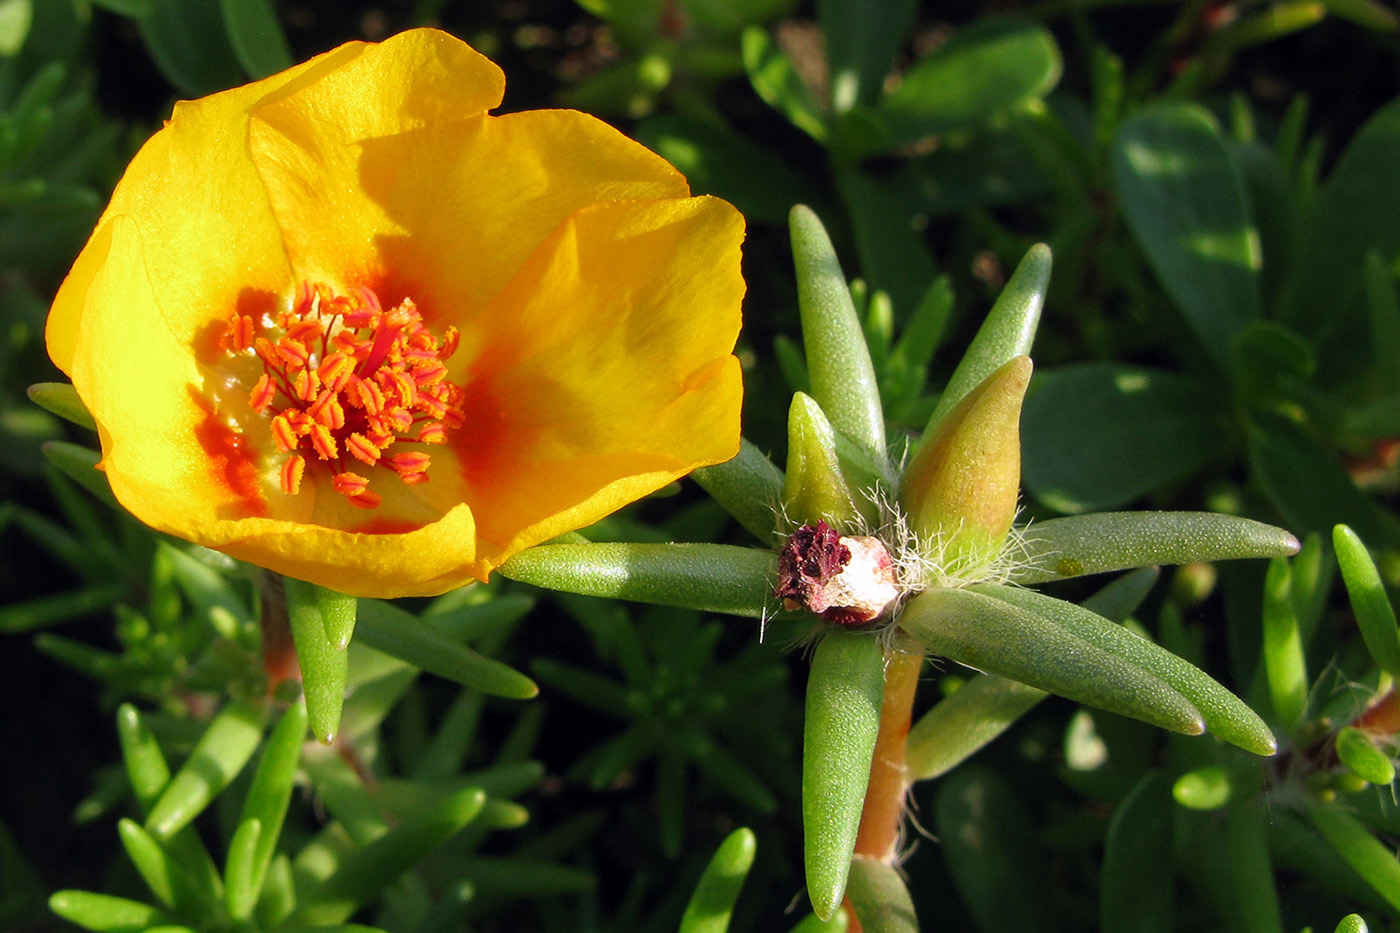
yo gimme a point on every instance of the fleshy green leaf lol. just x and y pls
(1266, 25)
(891, 251)
(365, 871)
(1206, 788)
(1368, 856)
(241, 884)
(162, 874)
(906, 371)
(324, 667)
(338, 611)
(1375, 617)
(1099, 435)
(1384, 318)
(776, 80)
(984, 70)
(989, 846)
(844, 692)
(266, 804)
(709, 577)
(1381, 18)
(256, 36)
(961, 487)
(105, 913)
(1360, 754)
(221, 752)
(384, 627)
(880, 897)
(1225, 714)
(712, 903)
(1008, 332)
(861, 42)
(1082, 544)
(994, 636)
(1185, 199)
(1253, 887)
(971, 717)
(1135, 887)
(44, 611)
(79, 464)
(749, 487)
(1285, 665)
(1352, 923)
(62, 399)
(838, 361)
(188, 42)
(983, 707)
(1352, 216)
(146, 768)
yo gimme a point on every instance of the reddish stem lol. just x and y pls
(884, 796)
(278, 650)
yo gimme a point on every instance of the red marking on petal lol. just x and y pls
(230, 460)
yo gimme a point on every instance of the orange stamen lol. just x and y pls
(307, 384)
(345, 378)
(362, 448)
(240, 333)
(412, 461)
(293, 351)
(262, 393)
(323, 441)
(283, 435)
(292, 470)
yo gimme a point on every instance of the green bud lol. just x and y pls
(815, 487)
(963, 484)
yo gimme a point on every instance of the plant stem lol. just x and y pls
(878, 837)
(279, 653)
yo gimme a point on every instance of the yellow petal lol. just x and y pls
(443, 213)
(426, 561)
(201, 210)
(146, 393)
(606, 369)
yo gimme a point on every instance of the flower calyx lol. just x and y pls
(849, 581)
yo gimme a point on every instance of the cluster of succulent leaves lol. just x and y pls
(1260, 289)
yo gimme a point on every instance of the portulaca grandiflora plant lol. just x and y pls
(906, 549)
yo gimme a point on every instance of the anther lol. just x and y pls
(292, 470)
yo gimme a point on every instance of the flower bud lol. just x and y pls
(815, 487)
(963, 483)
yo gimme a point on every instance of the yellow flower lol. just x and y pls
(344, 324)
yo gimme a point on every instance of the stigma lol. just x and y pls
(351, 391)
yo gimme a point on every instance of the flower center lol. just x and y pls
(346, 383)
